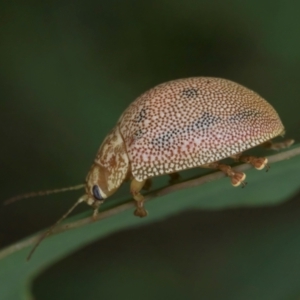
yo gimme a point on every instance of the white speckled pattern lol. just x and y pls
(190, 122)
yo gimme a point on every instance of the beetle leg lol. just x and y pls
(174, 177)
(278, 146)
(257, 162)
(237, 178)
(135, 188)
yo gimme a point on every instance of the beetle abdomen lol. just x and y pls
(190, 122)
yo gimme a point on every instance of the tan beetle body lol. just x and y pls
(177, 125)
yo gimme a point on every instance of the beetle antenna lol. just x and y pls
(49, 231)
(43, 193)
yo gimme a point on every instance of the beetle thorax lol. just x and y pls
(111, 164)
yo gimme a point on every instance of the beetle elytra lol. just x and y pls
(182, 124)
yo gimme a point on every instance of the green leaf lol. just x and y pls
(263, 189)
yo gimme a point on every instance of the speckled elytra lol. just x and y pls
(178, 125)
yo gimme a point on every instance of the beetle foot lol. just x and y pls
(140, 212)
(258, 163)
(237, 178)
(278, 146)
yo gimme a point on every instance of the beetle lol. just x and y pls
(178, 125)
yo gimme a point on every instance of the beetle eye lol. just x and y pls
(97, 193)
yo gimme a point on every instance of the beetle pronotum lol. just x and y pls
(178, 125)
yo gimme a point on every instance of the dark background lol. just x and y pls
(69, 68)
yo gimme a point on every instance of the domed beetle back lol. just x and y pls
(188, 123)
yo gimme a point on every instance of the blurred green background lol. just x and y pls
(69, 68)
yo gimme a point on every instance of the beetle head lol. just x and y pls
(96, 185)
(109, 170)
